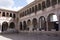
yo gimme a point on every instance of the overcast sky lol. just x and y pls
(14, 4)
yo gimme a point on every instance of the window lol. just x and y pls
(27, 11)
(10, 14)
(35, 8)
(3, 14)
(47, 3)
(58, 1)
(54, 2)
(43, 5)
(22, 14)
(14, 15)
(39, 6)
(32, 9)
(7, 14)
(0, 12)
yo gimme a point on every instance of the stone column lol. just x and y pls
(51, 2)
(59, 23)
(0, 28)
(38, 25)
(58, 15)
(46, 25)
(31, 27)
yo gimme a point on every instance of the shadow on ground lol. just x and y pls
(30, 36)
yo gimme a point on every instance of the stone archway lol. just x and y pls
(53, 22)
(42, 23)
(21, 28)
(24, 25)
(4, 26)
(12, 25)
(28, 24)
(34, 22)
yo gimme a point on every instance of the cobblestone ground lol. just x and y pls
(29, 36)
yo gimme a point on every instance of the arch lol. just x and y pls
(24, 25)
(42, 23)
(4, 26)
(34, 22)
(12, 25)
(21, 26)
(52, 22)
(50, 16)
(28, 24)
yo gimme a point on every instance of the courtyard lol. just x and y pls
(31, 36)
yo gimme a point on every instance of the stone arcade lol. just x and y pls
(40, 15)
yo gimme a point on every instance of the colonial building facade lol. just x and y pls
(7, 20)
(40, 15)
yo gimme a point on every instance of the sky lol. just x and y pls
(14, 5)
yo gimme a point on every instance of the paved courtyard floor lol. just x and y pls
(29, 36)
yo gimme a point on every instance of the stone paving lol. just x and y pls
(30, 36)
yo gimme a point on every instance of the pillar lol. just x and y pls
(46, 25)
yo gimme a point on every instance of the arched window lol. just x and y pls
(47, 3)
(53, 22)
(7, 14)
(14, 15)
(27, 12)
(4, 26)
(54, 2)
(32, 9)
(21, 26)
(20, 15)
(58, 1)
(42, 23)
(39, 6)
(3, 14)
(28, 24)
(24, 25)
(36, 8)
(10, 14)
(0, 13)
(12, 25)
(23, 14)
(43, 5)
(34, 22)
